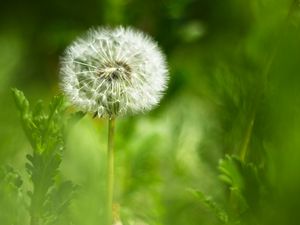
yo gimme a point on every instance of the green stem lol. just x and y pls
(110, 169)
(245, 144)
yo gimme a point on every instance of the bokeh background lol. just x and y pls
(234, 85)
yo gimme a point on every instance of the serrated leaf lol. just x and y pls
(58, 199)
(230, 172)
(28, 125)
(44, 127)
(38, 111)
(11, 196)
(210, 204)
(242, 180)
(21, 101)
(12, 177)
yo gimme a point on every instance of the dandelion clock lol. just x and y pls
(113, 73)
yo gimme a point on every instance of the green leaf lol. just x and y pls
(243, 181)
(10, 176)
(45, 129)
(210, 204)
(26, 116)
(59, 199)
(11, 196)
(21, 101)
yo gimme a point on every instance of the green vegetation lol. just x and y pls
(223, 147)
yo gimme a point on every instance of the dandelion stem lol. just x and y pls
(110, 169)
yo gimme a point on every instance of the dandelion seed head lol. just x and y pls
(114, 72)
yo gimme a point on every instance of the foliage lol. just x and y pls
(45, 129)
(11, 195)
(246, 192)
(227, 128)
(209, 203)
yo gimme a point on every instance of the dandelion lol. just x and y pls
(112, 73)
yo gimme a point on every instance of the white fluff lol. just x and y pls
(114, 72)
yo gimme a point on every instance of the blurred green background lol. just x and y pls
(234, 88)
